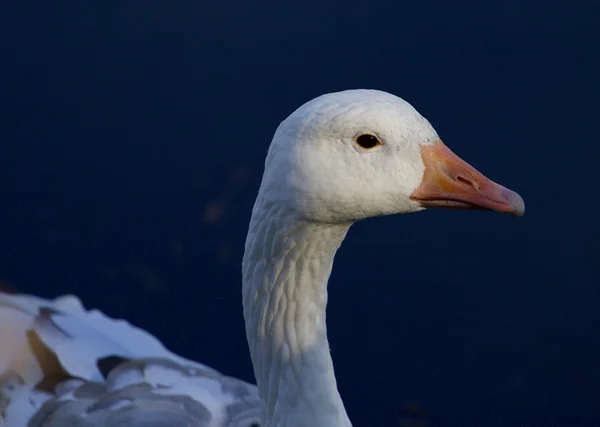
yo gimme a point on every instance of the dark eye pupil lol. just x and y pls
(367, 141)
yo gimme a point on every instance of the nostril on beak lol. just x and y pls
(468, 182)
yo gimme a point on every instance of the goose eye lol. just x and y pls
(367, 141)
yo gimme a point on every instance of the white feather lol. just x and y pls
(317, 181)
(77, 339)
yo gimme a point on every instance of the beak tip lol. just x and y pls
(516, 203)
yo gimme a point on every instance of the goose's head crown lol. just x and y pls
(354, 154)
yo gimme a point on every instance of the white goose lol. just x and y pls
(339, 158)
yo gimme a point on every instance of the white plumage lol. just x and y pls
(65, 366)
(51, 356)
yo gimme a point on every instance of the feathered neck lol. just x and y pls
(286, 266)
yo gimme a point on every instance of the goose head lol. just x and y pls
(355, 154)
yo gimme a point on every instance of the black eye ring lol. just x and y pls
(368, 141)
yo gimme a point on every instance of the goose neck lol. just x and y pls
(286, 267)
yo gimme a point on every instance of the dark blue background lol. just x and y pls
(132, 139)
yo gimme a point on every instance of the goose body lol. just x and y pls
(65, 366)
(337, 159)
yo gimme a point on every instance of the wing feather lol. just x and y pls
(64, 366)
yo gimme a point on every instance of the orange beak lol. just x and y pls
(450, 182)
